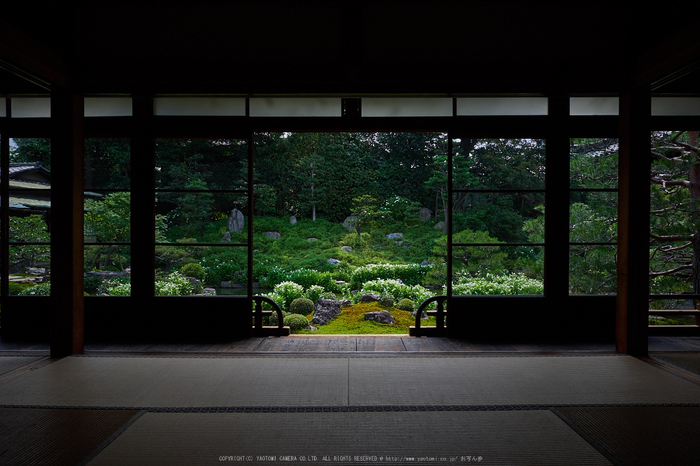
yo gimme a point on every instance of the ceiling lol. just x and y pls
(267, 47)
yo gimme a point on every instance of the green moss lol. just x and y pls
(351, 321)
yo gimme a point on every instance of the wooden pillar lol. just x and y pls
(67, 145)
(633, 225)
(142, 204)
(556, 233)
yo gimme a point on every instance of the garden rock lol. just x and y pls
(311, 239)
(226, 237)
(293, 220)
(394, 235)
(440, 226)
(225, 284)
(425, 214)
(383, 317)
(312, 328)
(398, 243)
(346, 248)
(36, 271)
(333, 261)
(370, 298)
(350, 222)
(407, 244)
(425, 262)
(422, 316)
(209, 292)
(272, 235)
(325, 311)
(236, 221)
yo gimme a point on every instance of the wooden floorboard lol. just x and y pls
(390, 344)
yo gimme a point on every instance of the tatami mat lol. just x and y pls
(504, 437)
(9, 363)
(145, 382)
(689, 360)
(641, 435)
(56, 436)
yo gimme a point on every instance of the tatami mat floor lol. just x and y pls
(353, 400)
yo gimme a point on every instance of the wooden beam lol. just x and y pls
(66, 308)
(633, 224)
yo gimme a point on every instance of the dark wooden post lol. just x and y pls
(142, 203)
(556, 233)
(66, 308)
(633, 225)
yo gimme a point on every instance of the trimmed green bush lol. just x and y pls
(193, 270)
(272, 320)
(405, 305)
(296, 322)
(302, 306)
(42, 289)
(510, 284)
(288, 292)
(410, 274)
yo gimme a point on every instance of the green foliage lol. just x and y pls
(41, 289)
(174, 284)
(226, 266)
(296, 322)
(32, 150)
(314, 293)
(193, 270)
(510, 284)
(303, 306)
(304, 277)
(273, 319)
(397, 290)
(29, 229)
(288, 292)
(13, 289)
(367, 210)
(91, 283)
(410, 274)
(405, 305)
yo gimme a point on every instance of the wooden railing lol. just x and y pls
(439, 330)
(260, 330)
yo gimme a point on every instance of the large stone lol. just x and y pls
(333, 261)
(226, 237)
(440, 226)
(293, 220)
(346, 248)
(272, 235)
(370, 298)
(325, 311)
(394, 235)
(383, 317)
(236, 222)
(425, 214)
(350, 222)
(36, 270)
(311, 239)
(425, 262)
(209, 291)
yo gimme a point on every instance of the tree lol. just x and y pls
(30, 229)
(31, 150)
(108, 221)
(366, 208)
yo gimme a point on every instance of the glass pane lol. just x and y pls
(594, 106)
(30, 266)
(675, 305)
(107, 270)
(498, 217)
(108, 106)
(594, 163)
(31, 107)
(498, 164)
(107, 164)
(201, 217)
(675, 212)
(199, 106)
(483, 106)
(592, 269)
(498, 270)
(208, 270)
(201, 164)
(593, 217)
(30, 160)
(675, 106)
(3, 107)
(296, 107)
(406, 107)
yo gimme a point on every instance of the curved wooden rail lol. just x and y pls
(439, 329)
(258, 313)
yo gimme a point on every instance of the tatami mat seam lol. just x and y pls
(590, 440)
(105, 443)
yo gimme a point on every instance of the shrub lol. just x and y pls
(42, 289)
(405, 305)
(303, 306)
(303, 276)
(288, 292)
(92, 283)
(272, 320)
(510, 284)
(174, 285)
(410, 274)
(397, 290)
(296, 322)
(121, 289)
(314, 292)
(193, 270)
